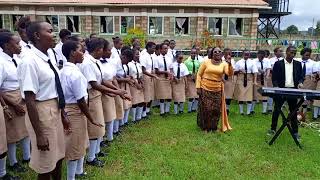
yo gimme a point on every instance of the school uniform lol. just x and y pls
(180, 72)
(200, 58)
(91, 69)
(193, 66)
(308, 70)
(172, 54)
(109, 103)
(269, 80)
(316, 103)
(3, 133)
(123, 72)
(262, 67)
(61, 60)
(148, 61)
(163, 84)
(24, 47)
(229, 82)
(37, 73)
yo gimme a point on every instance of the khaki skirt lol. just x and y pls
(137, 95)
(163, 88)
(309, 83)
(78, 140)
(126, 104)
(191, 90)
(3, 135)
(109, 108)
(96, 110)
(256, 95)
(51, 125)
(16, 127)
(179, 90)
(119, 107)
(269, 81)
(148, 90)
(317, 102)
(229, 86)
(244, 93)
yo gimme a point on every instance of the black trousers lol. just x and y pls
(278, 102)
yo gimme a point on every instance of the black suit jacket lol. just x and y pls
(279, 74)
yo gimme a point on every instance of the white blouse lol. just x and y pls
(135, 69)
(90, 70)
(183, 69)
(8, 72)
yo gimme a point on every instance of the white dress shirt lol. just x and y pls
(265, 63)
(274, 60)
(35, 75)
(289, 83)
(109, 70)
(160, 62)
(310, 66)
(233, 63)
(172, 54)
(8, 72)
(135, 69)
(74, 84)
(123, 71)
(251, 67)
(90, 70)
(59, 54)
(148, 61)
(183, 69)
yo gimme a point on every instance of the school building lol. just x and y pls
(183, 20)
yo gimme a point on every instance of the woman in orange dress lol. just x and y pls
(210, 88)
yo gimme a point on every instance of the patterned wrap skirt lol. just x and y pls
(209, 110)
(126, 104)
(3, 134)
(256, 95)
(109, 108)
(16, 128)
(179, 90)
(96, 110)
(51, 125)
(78, 140)
(229, 86)
(163, 88)
(148, 90)
(191, 90)
(137, 95)
(244, 93)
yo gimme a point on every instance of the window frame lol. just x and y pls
(2, 21)
(12, 25)
(242, 27)
(113, 26)
(175, 33)
(222, 24)
(79, 24)
(134, 24)
(162, 25)
(58, 17)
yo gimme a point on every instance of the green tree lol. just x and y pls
(292, 29)
(317, 30)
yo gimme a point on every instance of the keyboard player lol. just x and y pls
(287, 73)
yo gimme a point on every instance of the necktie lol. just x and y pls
(193, 67)
(304, 69)
(137, 70)
(103, 61)
(165, 64)
(62, 102)
(118, 52)
(15, 62)
(262, 74)
(178, 71)
(99, 69)
(151, 63)
(28, 46)
(245, 80)
(127, 69)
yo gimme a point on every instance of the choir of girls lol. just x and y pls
(68, 100)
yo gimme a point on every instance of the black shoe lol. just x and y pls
(116, 133)
(17, 168)
(189, 112)
(25, 161)
(194, 111)
(101, 154)
(163, 114)
(264, 113)
(270, 111)
(242, 114)
(252, 112)
(180, 112)
(80, 176)
(10, 177)
(96, 162)
(297, 136)
(103, 144)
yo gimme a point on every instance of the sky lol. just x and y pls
(303, 12)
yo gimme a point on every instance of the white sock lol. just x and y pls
(270, 102)
(71, 170)
(3, 171)
(139, 113)
(168, 107)
(181, 106)
(175, 108)
(315, 112)
(253, 106)
(126, 115)
(190, 106)
(249, 107)
(26, 148)
(80, 166)
(109, 130)
(98, 144)
(92, 150)
(121, 122)
(264, 107)
(144, 113)
(133, 114)
(161, 108)
(148, 110)
(12, 153)
(195, 105)
(116, 125)
(241, 108)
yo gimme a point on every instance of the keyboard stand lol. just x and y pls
(286, 123)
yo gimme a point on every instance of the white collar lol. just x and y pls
(39, 53)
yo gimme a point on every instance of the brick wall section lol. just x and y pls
(62, 22)
(87, 24)
(117, 25)
(193, 26)
(96, 24)
(138, 22)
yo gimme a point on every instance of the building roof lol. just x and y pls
(218, 3)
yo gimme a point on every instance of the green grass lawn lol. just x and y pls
(175, 148)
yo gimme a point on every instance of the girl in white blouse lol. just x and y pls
(135, 71)
(75, 92)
